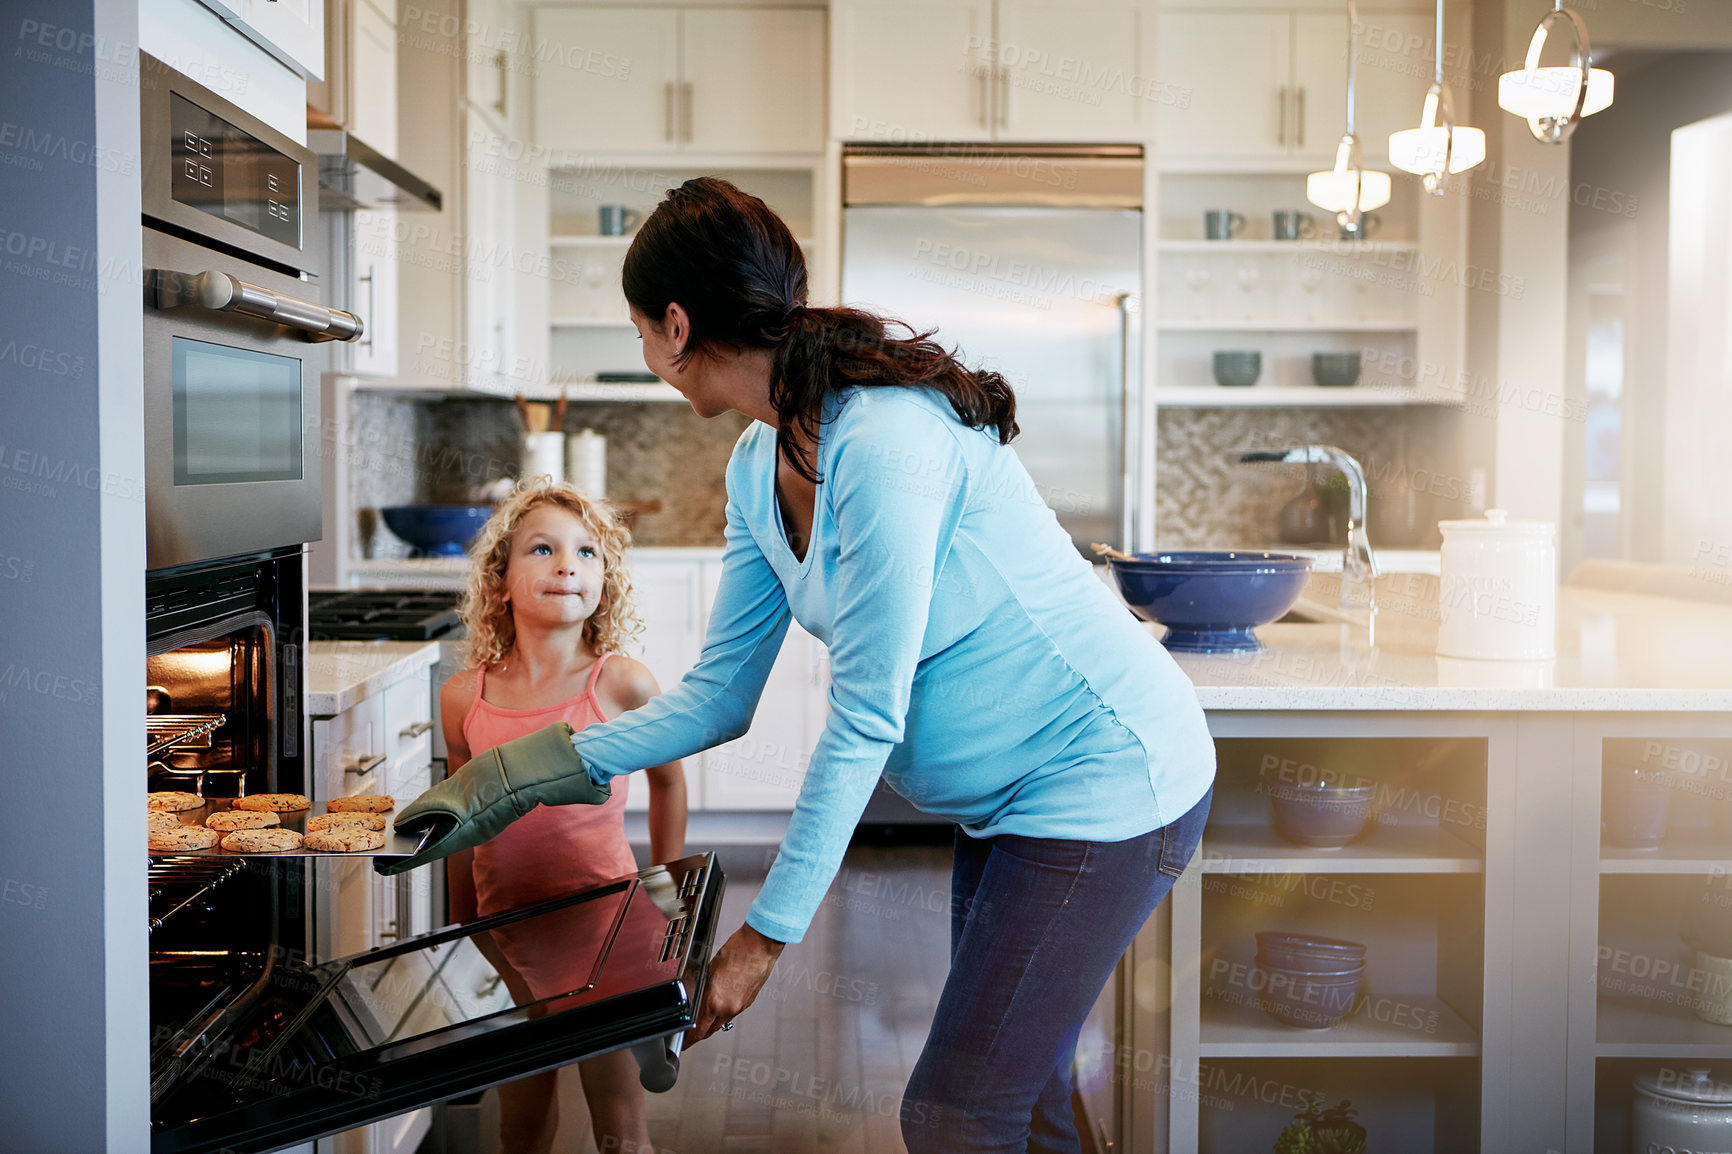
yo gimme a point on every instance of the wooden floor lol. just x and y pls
(819, 1062)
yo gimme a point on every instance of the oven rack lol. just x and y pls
(176, 883)
(186, 730)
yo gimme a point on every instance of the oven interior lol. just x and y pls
(209, 715)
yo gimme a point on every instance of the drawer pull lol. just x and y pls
(366, 766)
(486, 988)
(417, 729)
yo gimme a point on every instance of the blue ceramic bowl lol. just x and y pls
(437, 530)
(1211, 601)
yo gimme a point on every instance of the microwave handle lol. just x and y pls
(221, 292)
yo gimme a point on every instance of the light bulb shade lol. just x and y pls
(1550, 93)
(1423, 151)
(1554, 100)
(1435, 150)
(1349, 187)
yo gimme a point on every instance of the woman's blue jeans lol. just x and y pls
(1036, 927)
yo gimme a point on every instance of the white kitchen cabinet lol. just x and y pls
(607, 78)
(679, 80)
(291, 30)
(764, 769)
(1073, 71)
(1271, 86)
(752, 79)
(381, 744)
(360, 87)
(669, 595)
(912, 73)
(489, 284)
(1014, 70)
(374, 292)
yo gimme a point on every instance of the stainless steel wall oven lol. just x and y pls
(259, 1043)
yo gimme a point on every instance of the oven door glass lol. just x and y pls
(338, 1045)
(237, 414)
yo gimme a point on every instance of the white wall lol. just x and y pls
(1697, 467)
(73, 982)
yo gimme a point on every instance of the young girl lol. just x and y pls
(548, 608)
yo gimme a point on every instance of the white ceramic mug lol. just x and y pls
(1498, 589)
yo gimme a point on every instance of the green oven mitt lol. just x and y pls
(497, 787)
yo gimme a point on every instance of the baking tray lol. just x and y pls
(396, 844)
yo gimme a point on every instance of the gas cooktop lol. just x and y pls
(382, 615)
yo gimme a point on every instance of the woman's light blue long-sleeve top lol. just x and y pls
(977, 663)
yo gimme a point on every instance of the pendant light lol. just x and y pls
(1348, 190)
(1435, 150)
(1554, 100)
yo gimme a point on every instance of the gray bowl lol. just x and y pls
(1238, 368)
(1335, 370)
(1321, 817)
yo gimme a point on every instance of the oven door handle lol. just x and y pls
(220, 292)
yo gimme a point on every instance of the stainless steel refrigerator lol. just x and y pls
(1030, 261)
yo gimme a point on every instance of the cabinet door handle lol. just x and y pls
(502, 62)
(686, 110)
(1003, 98)
(1299, 115)
(366, 765)
(1281, 118)
(668, 99)
(417, 729)
(372, 312)
(985, 95)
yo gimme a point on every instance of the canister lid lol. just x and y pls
(1696, 1086)
(1497, 521)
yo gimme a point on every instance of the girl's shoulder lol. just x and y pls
(625, 683)
(458, 693)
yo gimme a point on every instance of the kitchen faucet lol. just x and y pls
(1358, 564)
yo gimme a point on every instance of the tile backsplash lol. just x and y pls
(407, 451)
(451, 448)
(1205, 499)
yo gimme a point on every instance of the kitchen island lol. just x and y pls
(1519, 975)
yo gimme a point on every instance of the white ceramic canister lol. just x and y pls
(1498, 589)
(586, 463)
(1681, 1112)
(543, 456)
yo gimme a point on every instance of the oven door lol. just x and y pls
(231, 417)
(348, 1042)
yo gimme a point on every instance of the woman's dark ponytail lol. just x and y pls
(736, 269)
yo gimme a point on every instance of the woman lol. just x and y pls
(976, 663)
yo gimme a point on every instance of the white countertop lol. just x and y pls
(1617, 652)
(341, 673)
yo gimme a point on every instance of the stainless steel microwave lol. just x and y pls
(233, 328)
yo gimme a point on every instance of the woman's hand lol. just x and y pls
(737, 972)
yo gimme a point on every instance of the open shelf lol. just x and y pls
(1637, 1027)
(1381, 1026)
(1382, 849)
(1676, 855)
(1331, 247)
(1295, 397)
(1285, 326)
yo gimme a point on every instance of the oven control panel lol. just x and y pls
(228, 173)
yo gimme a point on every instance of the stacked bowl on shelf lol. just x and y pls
(1308, 982)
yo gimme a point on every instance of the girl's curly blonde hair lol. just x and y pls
(487, 615)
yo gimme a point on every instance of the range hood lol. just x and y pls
(354, 175)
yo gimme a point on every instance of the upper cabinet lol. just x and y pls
(1271, 86)
(679, 80)
(291, 30)
(1024, 70)
(360, 88)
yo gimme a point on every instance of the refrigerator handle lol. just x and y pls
(1128, 413)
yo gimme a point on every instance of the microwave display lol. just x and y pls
(237, 415)
(230, 174)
